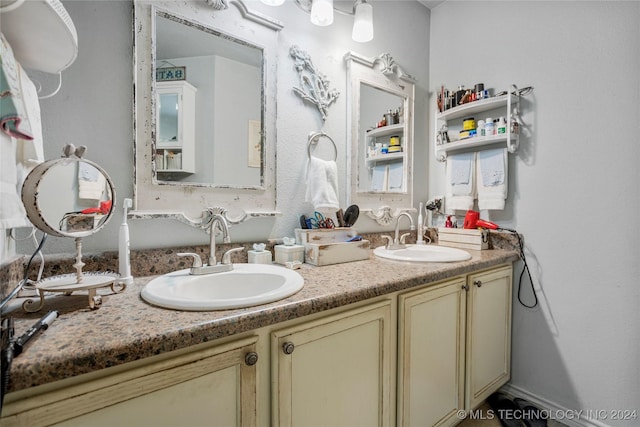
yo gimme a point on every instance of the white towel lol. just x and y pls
(30, 152)
(322, 183)
(460, 181)
(91, 183)
(14, 120)
(12, 213)
(396, 176)
(492, 178)
(379, 177)
(21, 147)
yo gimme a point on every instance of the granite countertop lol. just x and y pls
(126, 328)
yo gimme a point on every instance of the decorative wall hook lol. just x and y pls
(218, 4)
(314, 86)
(385, 214)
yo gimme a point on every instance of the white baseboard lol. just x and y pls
(568, 417)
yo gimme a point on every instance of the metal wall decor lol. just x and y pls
(218, 4)
(314, 86)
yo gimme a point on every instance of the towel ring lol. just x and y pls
(314, 138)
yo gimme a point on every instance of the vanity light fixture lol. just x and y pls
(321, 12)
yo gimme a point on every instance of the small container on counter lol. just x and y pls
(259, 255)
(289, 252)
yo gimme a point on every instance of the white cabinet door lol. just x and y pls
(488, 333)
(335, 371)
(208, 387)
(176, 127)
(431, 355)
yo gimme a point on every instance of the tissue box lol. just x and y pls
(291, 253)
(259, 257)
(81, 222)
(326, 246)
(324, 235)
(336, 253)
(463, 238)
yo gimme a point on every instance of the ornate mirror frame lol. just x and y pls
(153, 198)
(381, 73)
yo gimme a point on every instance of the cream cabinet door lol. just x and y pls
(488, 333)
(431, 355)
(213, 387)
(335, 371)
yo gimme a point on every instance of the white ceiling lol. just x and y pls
(431, 3)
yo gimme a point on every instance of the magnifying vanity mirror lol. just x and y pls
(205, 109)
(381, 98)
(70, 197)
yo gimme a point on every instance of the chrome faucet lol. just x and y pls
(398, 242)
(217, 221)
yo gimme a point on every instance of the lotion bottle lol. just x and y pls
(123, 247)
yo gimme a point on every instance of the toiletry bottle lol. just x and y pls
(480, 130)
(502, 127)
(124, 263)
(448, 223)
(488, 127)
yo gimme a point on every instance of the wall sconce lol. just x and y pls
(321, 14)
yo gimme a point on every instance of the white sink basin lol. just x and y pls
(245, 286)
(423, 253)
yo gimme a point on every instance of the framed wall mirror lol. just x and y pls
(205, 109)
(380, 99)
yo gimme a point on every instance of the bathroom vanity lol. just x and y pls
(372, 342)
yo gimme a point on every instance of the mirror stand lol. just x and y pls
(61, 213)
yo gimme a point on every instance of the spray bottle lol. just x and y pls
(123, 247)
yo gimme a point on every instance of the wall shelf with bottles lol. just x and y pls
(383, 135)
(448, 119)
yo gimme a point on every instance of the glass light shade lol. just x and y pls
(272, 2)
(363, 24)
(322, 12)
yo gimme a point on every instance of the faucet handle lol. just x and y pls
(389, 239)
(226, 258)
(197, 261)
(403, 237)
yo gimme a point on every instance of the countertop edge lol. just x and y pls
(55, 355)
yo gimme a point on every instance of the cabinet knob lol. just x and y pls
(465, 287)
(478, 283)
(251, 358)
(288, 347)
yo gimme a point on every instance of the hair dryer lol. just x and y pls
(472, 220)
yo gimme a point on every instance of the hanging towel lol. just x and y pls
(460, 181)
(12, 213)
(379, 178)
(91, 183)
(492, 178)
(30, 152)
(13, 117)
(395, 177)
(322, 183)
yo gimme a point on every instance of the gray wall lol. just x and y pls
(573, 184)
(94, 107)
